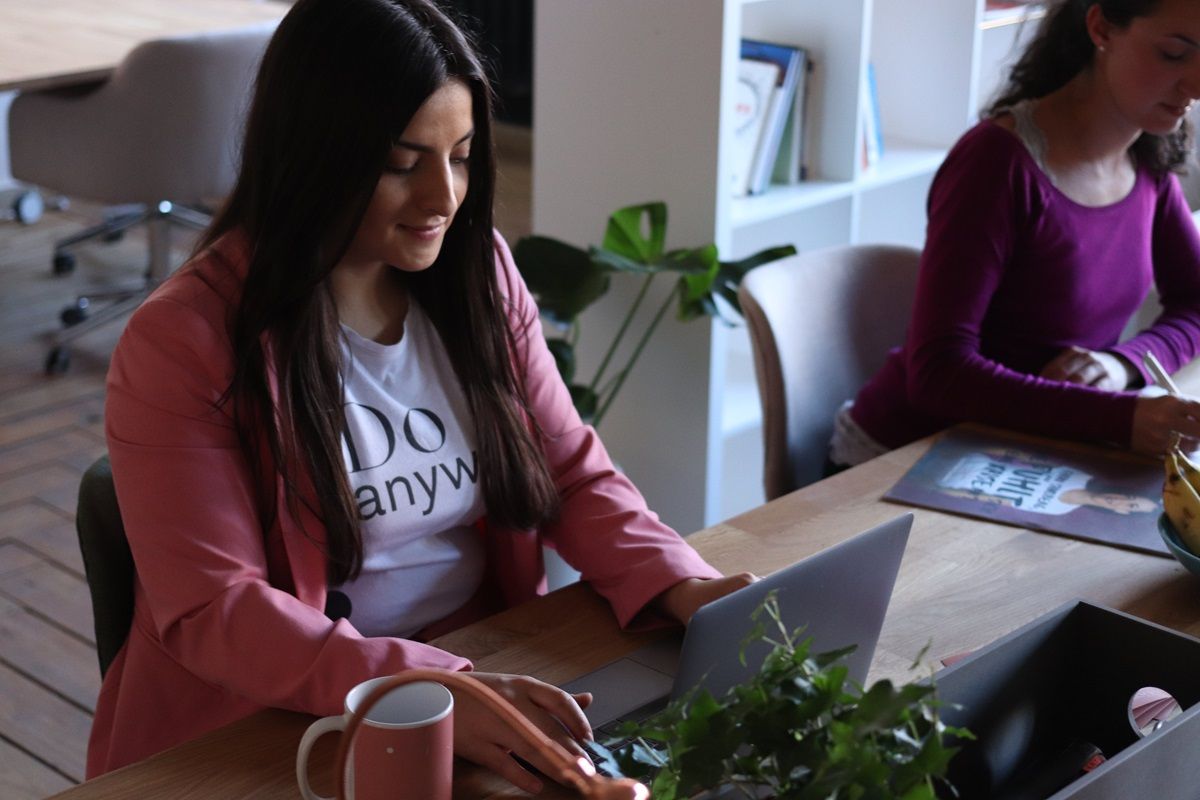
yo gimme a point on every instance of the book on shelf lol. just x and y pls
(791, 163)
(752, 99)
(790, 62)
(1003, 9)
(872, 148)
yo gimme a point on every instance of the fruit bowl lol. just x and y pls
(1182, 554)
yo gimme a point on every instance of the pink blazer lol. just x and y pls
(228, 614)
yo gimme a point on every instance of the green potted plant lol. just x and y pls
(796, 731)
(566, 280)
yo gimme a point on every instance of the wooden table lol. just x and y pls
(48, 43)
(962, 584)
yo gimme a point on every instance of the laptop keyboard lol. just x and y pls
(610, 732)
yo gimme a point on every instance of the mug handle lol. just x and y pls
(315, 731)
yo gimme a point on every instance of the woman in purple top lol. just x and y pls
(1048, 223)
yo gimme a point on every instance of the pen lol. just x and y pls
(1160, 375)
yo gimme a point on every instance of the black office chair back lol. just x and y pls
(106, 560)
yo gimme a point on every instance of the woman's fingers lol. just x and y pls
(1157, 419)
(479, 734)
(1077, 365)
(683, 599)
(1097, 368)
(562, 707)
(1061, 366)
(499, 760)
(533, 756)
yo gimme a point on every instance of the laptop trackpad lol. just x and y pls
(618, 688)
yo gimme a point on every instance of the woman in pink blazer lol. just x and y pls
(360, 227)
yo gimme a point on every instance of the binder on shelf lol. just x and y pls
(791, 164)
(789, 61)
(752, 100)
(994, 10)
(872, 125)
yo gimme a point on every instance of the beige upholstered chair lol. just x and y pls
(160, 136)
(821, 323)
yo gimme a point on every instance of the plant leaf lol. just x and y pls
(564, 279)
(623, 235)
(691, 261)
(800, 729)
(731, 273)
(612, 261)
(564, 358)
(698, 291)
(585, 401)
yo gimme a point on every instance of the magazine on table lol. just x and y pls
(1087, 492)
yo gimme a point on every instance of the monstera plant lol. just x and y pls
(566, 280)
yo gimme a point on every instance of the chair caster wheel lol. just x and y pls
(75, 313)
(64, 263)
(58, 360)
(27, 207)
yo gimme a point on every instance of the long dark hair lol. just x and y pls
(338, 85)
(1062, 49)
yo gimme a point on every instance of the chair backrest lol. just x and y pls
(106, 560)
(821, 323)
(165, 126)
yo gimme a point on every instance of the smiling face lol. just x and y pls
(1152, 66)
(421, 188)
(1124, 503)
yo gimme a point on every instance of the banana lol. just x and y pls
(1181, 500)
(1188, 468)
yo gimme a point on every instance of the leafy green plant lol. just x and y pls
(566, 280)
(796, 731)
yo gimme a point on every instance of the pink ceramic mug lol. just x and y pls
(403, 749)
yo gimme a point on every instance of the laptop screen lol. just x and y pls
(839, 596)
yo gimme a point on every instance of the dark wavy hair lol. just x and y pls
(338, 85)
(1062, 49)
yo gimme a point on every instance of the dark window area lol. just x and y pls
(504, 31)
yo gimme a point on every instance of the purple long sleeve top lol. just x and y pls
(1013, 272)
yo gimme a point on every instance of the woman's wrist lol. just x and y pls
(681, 600)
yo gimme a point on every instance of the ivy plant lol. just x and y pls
(799, 730)
(566, 280)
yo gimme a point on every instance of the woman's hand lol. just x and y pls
(480, 736)
(682, 599)
(1091, 368)
(1157, 419)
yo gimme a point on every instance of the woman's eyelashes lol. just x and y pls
(409, 167)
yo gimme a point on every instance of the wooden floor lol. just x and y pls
(51, 429)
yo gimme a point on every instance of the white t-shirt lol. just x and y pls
(409, 448)
(1027, 486)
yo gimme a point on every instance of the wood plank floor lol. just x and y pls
(51, 429)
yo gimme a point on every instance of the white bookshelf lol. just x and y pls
(628, 108)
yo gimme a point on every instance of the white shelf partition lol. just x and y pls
(629, 107)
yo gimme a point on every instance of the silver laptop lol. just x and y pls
(839, 596)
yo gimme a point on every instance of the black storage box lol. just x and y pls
(1061, 683)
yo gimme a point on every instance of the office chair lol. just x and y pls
(156, 140)
(107, 561)
(821, 323)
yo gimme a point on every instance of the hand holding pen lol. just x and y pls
(1157, 419)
